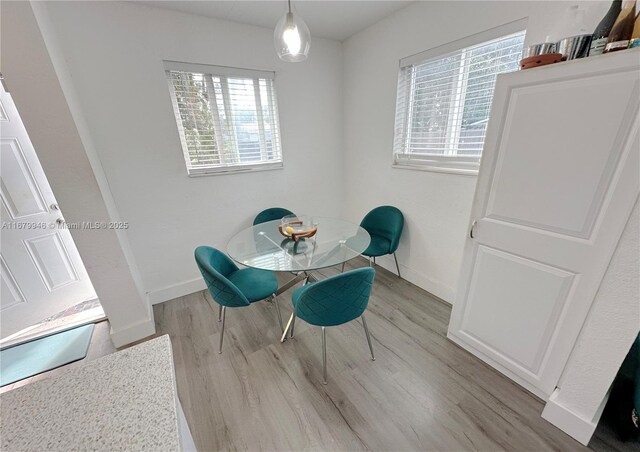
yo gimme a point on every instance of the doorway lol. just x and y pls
(44, 286)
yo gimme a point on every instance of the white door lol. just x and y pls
(41, 272)
(558, 179)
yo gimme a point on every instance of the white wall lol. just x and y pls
(436, 205)
(606, 337)
(114, 54)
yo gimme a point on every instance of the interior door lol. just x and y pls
(41, 272)
(558, 179)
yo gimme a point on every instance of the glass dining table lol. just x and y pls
(263, 246)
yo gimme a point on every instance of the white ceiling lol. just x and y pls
(333, 19)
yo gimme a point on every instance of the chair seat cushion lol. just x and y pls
(379, 246)
(254, 284)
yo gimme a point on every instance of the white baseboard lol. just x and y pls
(566, 420)
(176, 290)
(436, 288)
(440, 290)
(135, 331)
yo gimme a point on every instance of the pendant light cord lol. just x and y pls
(289, 1)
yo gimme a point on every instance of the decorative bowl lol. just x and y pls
(539, 49)
(540, 60)
(296, 227)
(574, 47)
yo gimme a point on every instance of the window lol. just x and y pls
(444, 99)
(227, 118)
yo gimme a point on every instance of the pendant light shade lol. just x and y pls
(292, 38)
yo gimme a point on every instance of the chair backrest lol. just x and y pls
(215, 266)
(337, 299)
(273, 213)
(387, 222)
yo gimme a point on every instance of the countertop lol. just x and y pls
(124, 401)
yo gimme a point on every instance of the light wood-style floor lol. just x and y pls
(422, 393)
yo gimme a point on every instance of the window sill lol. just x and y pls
(223, 171)
(436, 169)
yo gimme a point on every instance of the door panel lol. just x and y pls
(10, 293)
(513, 305)
(558, 179)
(41, 272)
(545, 180)
(52, 261)
(3, 113)
(20, 192)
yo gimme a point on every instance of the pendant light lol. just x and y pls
(292, 38)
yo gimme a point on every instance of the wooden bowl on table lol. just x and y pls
(297, 228)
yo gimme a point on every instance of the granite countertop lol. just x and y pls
(123, 401)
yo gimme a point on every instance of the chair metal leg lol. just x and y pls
(275, 302)
(286, 328)
(224, 312)
(219, 313)
(370, 262)
(397, 266)
(374, 260)
(293, 323)
(366, 331)
(342, 271)
(324, 355)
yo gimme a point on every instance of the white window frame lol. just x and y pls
(223, 71)
(447, 163)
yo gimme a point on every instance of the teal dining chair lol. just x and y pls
(384, 224)
(231, 287)
(333, 301)
(273, 213)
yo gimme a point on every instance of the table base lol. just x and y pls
(307, 277)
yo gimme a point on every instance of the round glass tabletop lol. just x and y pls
(263, 246)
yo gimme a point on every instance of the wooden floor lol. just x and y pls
(422, 392)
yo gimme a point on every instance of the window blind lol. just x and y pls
(443, 103)
(226, 122)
